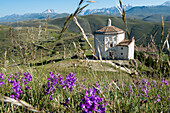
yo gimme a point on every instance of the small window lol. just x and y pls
(106, 39)
(121, 48)
(111, 45)
(111, 54)
(114, 38)
(110, 38)
(121, 53)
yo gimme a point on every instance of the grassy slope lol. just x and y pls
(139, 29)
(4, 40)
(24, 40)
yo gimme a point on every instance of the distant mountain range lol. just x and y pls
(146, 13)
(159, 9)
(106, 11)
(167, 3)
(33, 16)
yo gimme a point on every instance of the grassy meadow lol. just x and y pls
(45, 67)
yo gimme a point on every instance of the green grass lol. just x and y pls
(21, 36)
(117, 100)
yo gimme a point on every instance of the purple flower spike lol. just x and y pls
(96, 88)
(159, 98)
(92, 102)
(1, 76)
(1, 79)
(12, 96)
(130, 89)
(51, 98)
(144, 81)
(149, 83)
(56, 81)
(27, 87)
(70, 82)
(26, 79)
(53, 82)
(165, 81)
(154, 82)
(17, 92)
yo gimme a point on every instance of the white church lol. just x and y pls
(110, 43)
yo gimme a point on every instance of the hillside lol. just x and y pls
(90, 23)
(156, 18)
(138, 28)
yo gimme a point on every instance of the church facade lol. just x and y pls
(110, 43)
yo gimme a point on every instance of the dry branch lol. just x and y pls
(18, 103)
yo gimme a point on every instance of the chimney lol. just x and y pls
(133, 39)
(109, 22)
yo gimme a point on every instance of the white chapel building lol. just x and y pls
(110, 43)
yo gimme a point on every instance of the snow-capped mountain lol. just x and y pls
(49, 11)
(112, 10)
(167, 3)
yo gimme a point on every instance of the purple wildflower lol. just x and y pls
(154, 82)
(159, 98)
(92, 102)
(96, 88)
(12, 96)
(124, 84)
(53, 82)
(10, 79)
(145, 91)
(1, 79)
(138, 83)
(27, 87)
(17, 75)
(50, 97)
(17, 92)
(70, 82)
(144, 81)
(27, 78)
(142, 94)
(130, 89)
(149, 83)
(165, 81)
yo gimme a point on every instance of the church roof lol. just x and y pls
(109, 29)
(125, 42)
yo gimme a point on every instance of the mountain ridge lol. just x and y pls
(167, 3)
(31, 16)
(111, 10)
(50, 11)
(152, 13)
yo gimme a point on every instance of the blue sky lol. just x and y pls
(8, 7)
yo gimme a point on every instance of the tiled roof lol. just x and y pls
(110, 29)
(125, 42)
